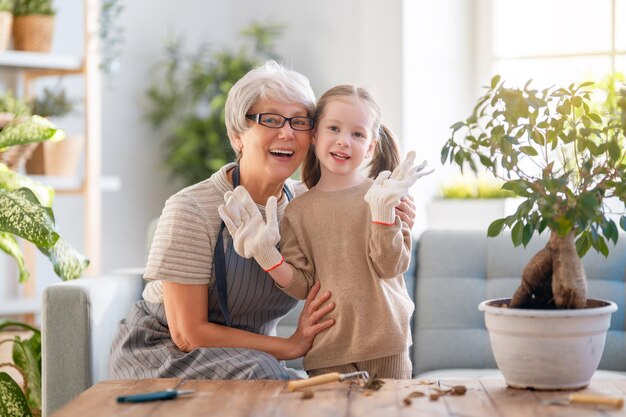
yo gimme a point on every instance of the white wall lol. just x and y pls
(131, 150)
(441, 67)
(331, 42)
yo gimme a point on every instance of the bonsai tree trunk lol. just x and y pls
(554, 277)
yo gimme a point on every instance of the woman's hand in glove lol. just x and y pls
(252, 236)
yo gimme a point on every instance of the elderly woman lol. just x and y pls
(208, 313)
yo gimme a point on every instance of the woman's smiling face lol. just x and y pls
(274, 153)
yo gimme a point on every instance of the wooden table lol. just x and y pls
(486, 397)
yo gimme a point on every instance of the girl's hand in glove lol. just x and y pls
(252, 236)
(389, 188)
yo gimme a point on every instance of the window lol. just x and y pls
(558, 41)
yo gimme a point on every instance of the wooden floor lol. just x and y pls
(484, 398)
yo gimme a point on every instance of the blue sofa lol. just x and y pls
(450, 274)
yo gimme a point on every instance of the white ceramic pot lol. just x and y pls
(547, 349)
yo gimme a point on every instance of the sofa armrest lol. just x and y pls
(79, 322)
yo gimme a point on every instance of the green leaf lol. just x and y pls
(494, 81)
(611, 232)
(495, 228)
(595, 117)
(529, 150)
(7, 324)
(68, 263)
(517, 234)
(577, 101)
(34, 129)
(27, 356)
(614, 149)
(583, 244)
(13, 403)
(538, 137)
(527, 234)
(457, 126)
(524, 208)
(21, 214)
(11, 180)
(600, 245)
(10, 246)
(519, 187)
(458, 158)
(444, 153)
(622, 223)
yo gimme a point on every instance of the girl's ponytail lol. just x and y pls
(386, 155)
(311, 171)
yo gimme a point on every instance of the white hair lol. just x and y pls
(269, 81)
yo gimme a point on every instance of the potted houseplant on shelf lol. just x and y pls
(59, 158)
(565, 160)
(12, 108)
(6, 23)
(468, 203)
(33, 25)
(187, 103)
(26, 212)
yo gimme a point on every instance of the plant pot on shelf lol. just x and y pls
(56, 158)
(33, 32)
(15, 156)
(547, 349)
(6, 22)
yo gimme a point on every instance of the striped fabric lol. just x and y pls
(182, 252)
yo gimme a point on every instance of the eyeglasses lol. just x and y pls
(276, 121)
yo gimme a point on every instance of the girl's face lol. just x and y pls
(273, 154)
(343, 138)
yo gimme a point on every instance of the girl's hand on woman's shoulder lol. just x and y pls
(310, 323)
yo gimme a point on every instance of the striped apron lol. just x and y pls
(143, 346)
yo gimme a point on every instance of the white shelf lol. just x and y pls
(20, 306)
(37, 60)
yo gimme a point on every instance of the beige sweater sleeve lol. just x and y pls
(390, 249)
(295, 253)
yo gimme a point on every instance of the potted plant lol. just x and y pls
(188, 102)
(55, 158)
(12, 108)
(26, 212)
(565, 160)
(33, 25)
(6, 23)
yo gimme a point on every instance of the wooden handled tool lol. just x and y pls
(606, 401)
(324, 379)
(316, 380)
(594, 399)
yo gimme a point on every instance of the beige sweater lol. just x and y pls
(329, 237)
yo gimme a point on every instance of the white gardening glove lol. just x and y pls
(388, 188)
(252, 237)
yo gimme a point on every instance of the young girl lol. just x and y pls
(345, 234)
